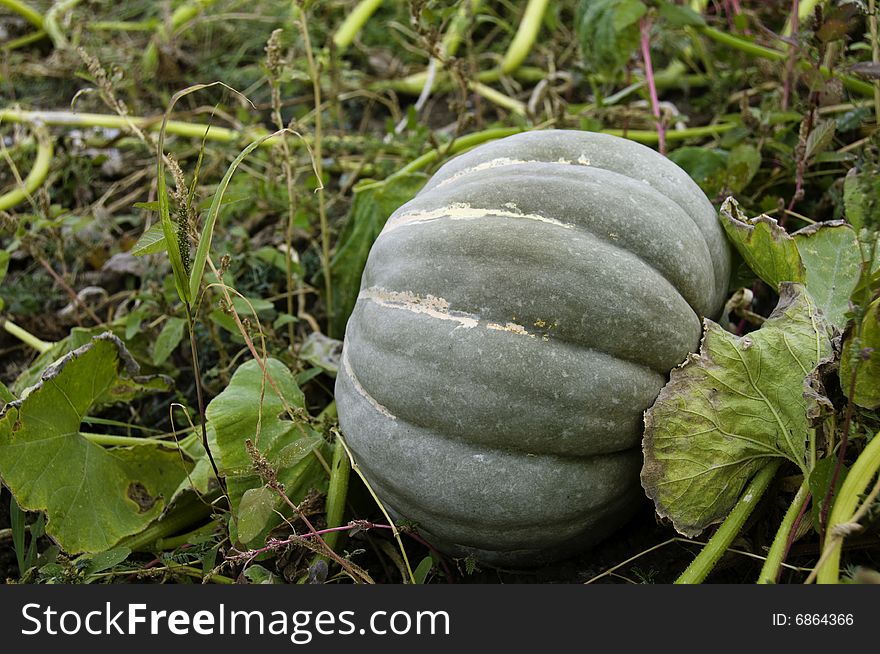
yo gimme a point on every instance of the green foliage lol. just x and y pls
(168, 340)
(716, 170)
(743, 164)
(728, 411)
(608, 32)
(813, 158)
(207, 234)
(256, 509)
(373, 204)
(833, 263)
(152, 241)
(765, 246)
(678, 15)
(93, 496)
(825, 257)
(860, 361)
(272, 418)
(707, 167)
(820, 479)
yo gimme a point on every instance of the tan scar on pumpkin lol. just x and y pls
(464, 211)
(435, 307)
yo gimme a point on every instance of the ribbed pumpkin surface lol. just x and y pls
(515, 320)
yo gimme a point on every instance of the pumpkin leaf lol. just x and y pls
(861, 356)
(372, 206)
(6, 395)
(93, 496)
(824, 256)
(608, 32)
(766, 247)
(728, 411)
(832, 260)
(233, 418)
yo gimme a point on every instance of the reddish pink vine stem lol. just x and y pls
(645, 27)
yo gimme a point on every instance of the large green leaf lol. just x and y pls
(765, 246)
(832, 260)
(248, 404)
(824, 256)
(123, 390)
(372, 206)
(728, 411)
(92, 496)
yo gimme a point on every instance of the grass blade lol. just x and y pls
(201, 258)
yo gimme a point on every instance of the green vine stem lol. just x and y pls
(455, 33)
(191, 511)
(24, 10)
(337, 492)
(772, 564)
(525, 36)
(354, 23)
(181, 16)
(702, 565)
(71, 119)
(50, 23)
(38, 174)
(23, 41)
(110, 440)
(153, 123)
(458, 145)
(762, 52)
(25, 336)
(844, 517)
(496, 97)
(173, 542)
(413, 84)
(650, 137)
(124, 25)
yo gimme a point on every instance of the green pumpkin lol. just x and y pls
(515, 320)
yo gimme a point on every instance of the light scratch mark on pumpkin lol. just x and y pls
(435, 307)
(346, 366)
(464, 211)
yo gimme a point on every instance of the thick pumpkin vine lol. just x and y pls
(731, 415)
